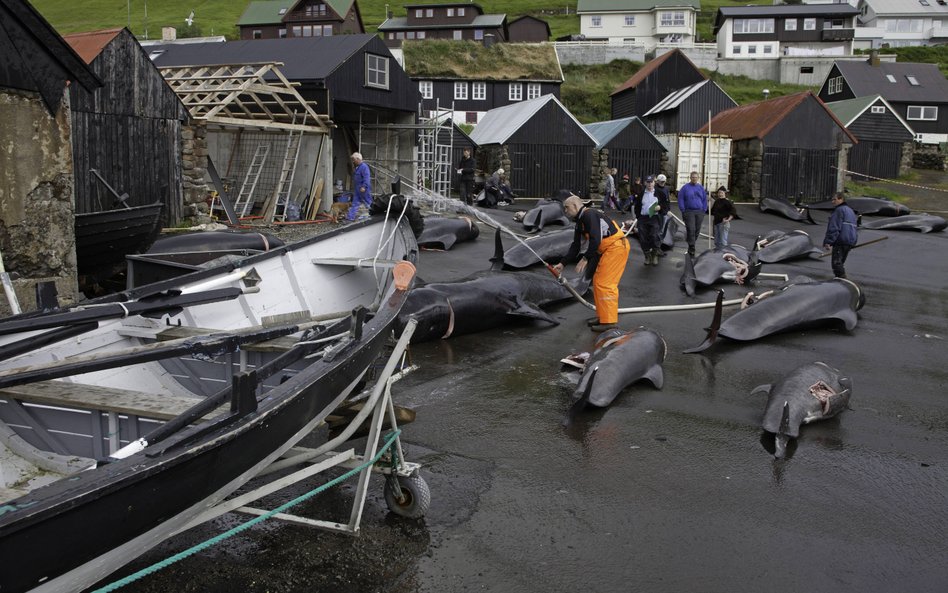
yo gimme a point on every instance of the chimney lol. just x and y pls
(169, 33)
(488, 40)
(874, 58)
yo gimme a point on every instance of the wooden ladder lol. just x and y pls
(287, 173)
(244, 203)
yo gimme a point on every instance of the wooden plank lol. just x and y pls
(105, 399)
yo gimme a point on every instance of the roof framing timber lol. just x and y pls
(242, 95)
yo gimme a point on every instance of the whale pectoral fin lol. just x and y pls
(765, 388)
(656, 376)
(581, 284)
(809, 218)
(849, 319)
(783, 433)
(580, 404)
(525, 309)
(715, 326)
(448, 241)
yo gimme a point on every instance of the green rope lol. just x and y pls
(234, 531)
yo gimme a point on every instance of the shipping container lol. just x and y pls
(710, 156)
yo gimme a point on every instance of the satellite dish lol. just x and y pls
(190, 19)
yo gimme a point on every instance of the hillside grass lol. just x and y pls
(502, 61)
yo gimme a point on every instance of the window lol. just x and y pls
(426, 88)
(478, 34)
(878, 109)
(470, 117)
(400, 35)
(409, 35)
(595, 21)
(903, 25)
(629, 20)
(806, 69)
(391, 35)
(458, 35)
(922, 112)
(478, 91)
(420, 35)
(282, 11)
(297, 31)
(460, 90)
(282, 33)
(790, 25)
(912, 80)
(753, 25)
(768, 49)
(674, 19)
(515, 91)
(752, 49)
(429, 13)
(460, 12)
(833, 24)
(327, 30)
(890, 78)
(737, 50)
(257, 34)
(450, 12)
(376, 71)
(809, 24)
(835, 85)
(419, 13)
(533, 90)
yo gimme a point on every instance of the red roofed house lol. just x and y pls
(787, 147)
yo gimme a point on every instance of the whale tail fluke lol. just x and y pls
(715, 326)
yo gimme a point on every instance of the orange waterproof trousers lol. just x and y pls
(613, 256)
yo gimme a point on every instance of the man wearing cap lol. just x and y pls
(648, 208)
(605, 259)
(693, 203)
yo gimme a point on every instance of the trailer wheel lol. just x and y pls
(414, 499)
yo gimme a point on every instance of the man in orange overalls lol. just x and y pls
(604, 260)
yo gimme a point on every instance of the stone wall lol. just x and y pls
(37, 220)
(194, 167)
(930, 156)
(746, 165)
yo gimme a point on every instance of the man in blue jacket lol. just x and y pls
(841, 234)
(693, 203)
(361, 186)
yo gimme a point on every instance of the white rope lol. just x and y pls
(892, 181)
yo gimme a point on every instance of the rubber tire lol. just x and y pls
(416, 493)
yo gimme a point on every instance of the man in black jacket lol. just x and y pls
(466, 176)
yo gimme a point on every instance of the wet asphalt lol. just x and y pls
(666, 490)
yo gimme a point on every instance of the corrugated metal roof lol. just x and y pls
(756, 120)
(906, 7)
(632, 5)
(90, 45)
(296, 54)
(865, 79)
(650, 67)
(400, 23)
(605, 131)
(499, 124)
(673, 100)
(850, 110)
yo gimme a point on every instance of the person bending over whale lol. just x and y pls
(604, 260)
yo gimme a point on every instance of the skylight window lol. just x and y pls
(912, 80)
(924, 2)
(283, 10)
(891, 78)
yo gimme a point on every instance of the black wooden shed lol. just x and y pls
(688, 109)
(547, 148)
(885, 140)
(787, 147)
(632, 148)
(653, 82)
(129, 131)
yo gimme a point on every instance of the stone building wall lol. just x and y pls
(194, 167)
(746, 165)
(37, 220)
(930, 156)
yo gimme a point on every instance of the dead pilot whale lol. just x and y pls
(778, 246)
(620, 358)
(487, 300)
(783, 207)
(798, 304)
(811, 392)
(443, 233)
(925, 223)
(867, 206)
(545, 212)
(732, 263)
(549, 246)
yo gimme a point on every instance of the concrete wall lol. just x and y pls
(37, 224)
(598, 53)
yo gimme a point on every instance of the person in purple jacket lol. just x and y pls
(841, 233)
(693, 203)
(361, 186)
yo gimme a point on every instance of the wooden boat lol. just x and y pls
(88, 389)
(104, 238)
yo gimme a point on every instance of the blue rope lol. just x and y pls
(234, 531)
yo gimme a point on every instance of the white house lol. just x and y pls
(898, 23)
(643, 22)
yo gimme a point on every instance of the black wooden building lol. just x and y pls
(885, 140)
(129, 131)
(653, 82)
(546, 147)
(632, 148)
(688, 109)
(787, 147)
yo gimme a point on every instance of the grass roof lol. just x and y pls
(470, 60)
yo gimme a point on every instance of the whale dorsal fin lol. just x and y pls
(765, 388)
(521, 308)
(655, 375)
